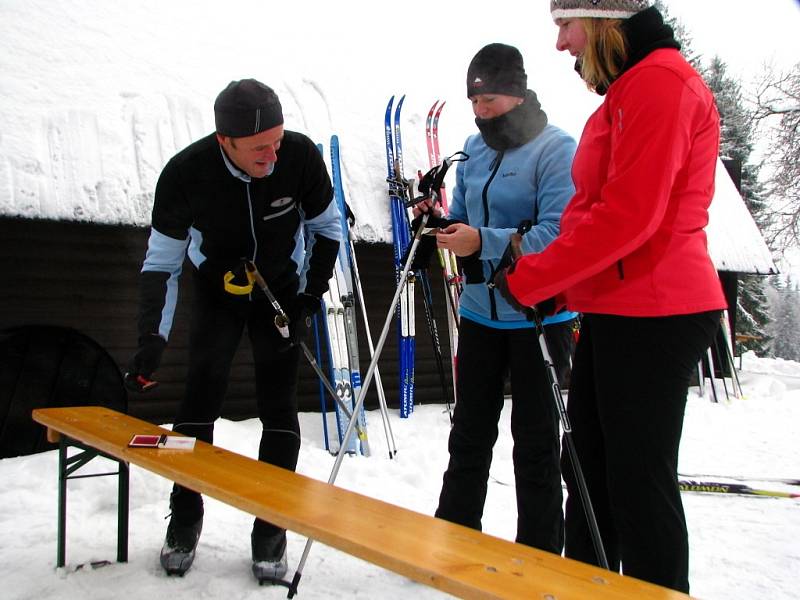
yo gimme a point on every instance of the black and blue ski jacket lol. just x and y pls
(208, 209)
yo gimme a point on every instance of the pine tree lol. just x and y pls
(681, 34)
(785, 329)
(752, 315)
(777, 112)
(752, 312)
(737, 135)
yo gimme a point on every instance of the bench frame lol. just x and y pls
(67, 466)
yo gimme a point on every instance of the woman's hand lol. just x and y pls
(427, 206)
(460, 238)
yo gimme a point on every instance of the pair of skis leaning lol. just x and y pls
(447, 260)
(401, 236)
(338, 326)
(401, 200)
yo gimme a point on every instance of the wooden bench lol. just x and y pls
(449, 557)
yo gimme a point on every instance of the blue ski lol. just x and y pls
(345, 284)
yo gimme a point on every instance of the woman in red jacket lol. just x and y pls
(632, 256)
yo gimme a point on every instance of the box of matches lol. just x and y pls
(172, 442)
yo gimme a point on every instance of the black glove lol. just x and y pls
(545, 308)
(427, 242)
(301, 319)
(144, 363)
(501, 285)
(472, 267)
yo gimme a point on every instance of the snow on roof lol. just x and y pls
(734, 240)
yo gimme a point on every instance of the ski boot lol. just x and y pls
(269, 558)
(177, 553)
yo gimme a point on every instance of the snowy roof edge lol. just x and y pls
(734, 241)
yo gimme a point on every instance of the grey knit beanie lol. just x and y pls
(599, 9)
(245, 108)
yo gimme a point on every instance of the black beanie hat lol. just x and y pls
(497, 69)
(245, 108)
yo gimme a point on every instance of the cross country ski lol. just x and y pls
(738, 489)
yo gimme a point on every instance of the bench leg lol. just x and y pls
(66, 467)
(122, 512)
(62, 502)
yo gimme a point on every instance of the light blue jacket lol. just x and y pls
(494, 192)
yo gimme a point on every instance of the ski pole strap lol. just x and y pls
(281, 319)
(235, 289)
(432, 182)
(513, 251)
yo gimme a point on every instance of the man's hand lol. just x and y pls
(146, 360)
(427, 206)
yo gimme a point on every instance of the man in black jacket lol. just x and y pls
(250, 192)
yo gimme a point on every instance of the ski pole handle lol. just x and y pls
(516, 245)
(281, 319)
(139, 383)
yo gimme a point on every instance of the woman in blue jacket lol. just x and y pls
(518, 169)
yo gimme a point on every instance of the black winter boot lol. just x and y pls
(183, 531)
(269, 557)
(177, 553)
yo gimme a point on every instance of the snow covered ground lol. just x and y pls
(741, 546)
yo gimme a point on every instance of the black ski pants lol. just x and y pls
(630, 378)
(485, 357)
(217, 326)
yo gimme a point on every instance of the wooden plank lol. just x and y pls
(449, 557)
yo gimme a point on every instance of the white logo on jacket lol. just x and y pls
(281, 202)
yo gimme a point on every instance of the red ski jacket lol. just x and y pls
(632, 241)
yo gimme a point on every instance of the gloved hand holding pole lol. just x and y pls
(514, 252)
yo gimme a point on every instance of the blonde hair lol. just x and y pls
(605, 52)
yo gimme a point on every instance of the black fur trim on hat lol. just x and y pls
(245, 108)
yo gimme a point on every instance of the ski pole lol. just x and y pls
(513, 252)
(323, 405)
(402, 280)
(387, 427)
(588, 509)
(728, 350)
(282, 323)
(362, 394)
(714, 398)
(281, 319)
(433, 329)
(718, 356)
